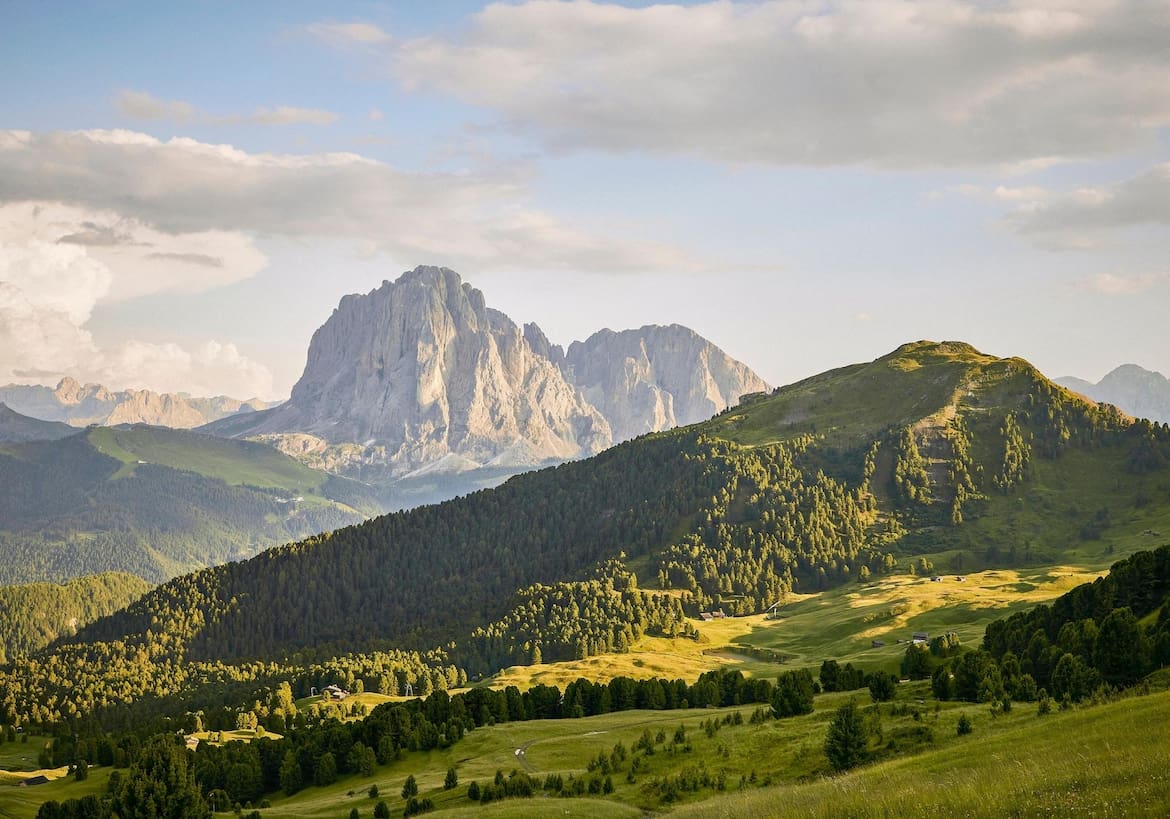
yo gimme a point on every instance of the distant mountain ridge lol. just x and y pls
(1134, 390)
(156, 502)
(419, 378)
(15, 427)
(80, 405)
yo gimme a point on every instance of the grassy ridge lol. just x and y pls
(236, 463)
(856, 403)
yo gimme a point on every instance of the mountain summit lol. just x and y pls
(420, 374)
(422, 367)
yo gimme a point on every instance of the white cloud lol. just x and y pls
(34, 235)
(359, 32)
(289, 115)
(143, 105)
(212, 368)
(1111, 284)
(890, 83)
(57, 263)
(1084, 214)
(474, 219)
(376, 115)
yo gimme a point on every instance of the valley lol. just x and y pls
(597, 408)
(935, 495)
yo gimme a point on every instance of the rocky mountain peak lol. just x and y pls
(424, 368)
(657, 377)
(424, 377)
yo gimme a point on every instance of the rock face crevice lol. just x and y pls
(425, 372)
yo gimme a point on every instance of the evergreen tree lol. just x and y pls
(1121, 652)
(793, 695)
(290, 774)
(964, 727)
(160, 784)
(410, 787)
(848, 738)
(882, 686)
(326, 771)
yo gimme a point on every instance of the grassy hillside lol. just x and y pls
(1105, 761)
(156, 503)
(236, 463)
(15, 427)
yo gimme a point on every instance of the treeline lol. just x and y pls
(163, 774)
(1089, 637)
(568, 621)
(126, 685)
(35, 614)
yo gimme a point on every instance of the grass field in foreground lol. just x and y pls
(1110, 760)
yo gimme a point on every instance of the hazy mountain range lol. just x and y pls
(1139, 392)
(81, 405)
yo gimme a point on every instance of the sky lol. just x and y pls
(187, 190)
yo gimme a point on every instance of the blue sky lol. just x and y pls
(186, 190)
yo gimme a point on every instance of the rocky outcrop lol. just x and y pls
(420, 377)
(424, 368)
(656, 377)
(1134, 390)
(80, 405)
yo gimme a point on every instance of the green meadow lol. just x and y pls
(236, 463)
(1110, 759)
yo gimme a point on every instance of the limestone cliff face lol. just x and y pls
(425, 369)
(656, 377)
(420, 377)
(81, 405)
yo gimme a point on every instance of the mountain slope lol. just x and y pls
(156, 503)
(933, 453)
(79, 406)
(1139, 392)
(15, 427)
(36, 614)
(921, 450)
